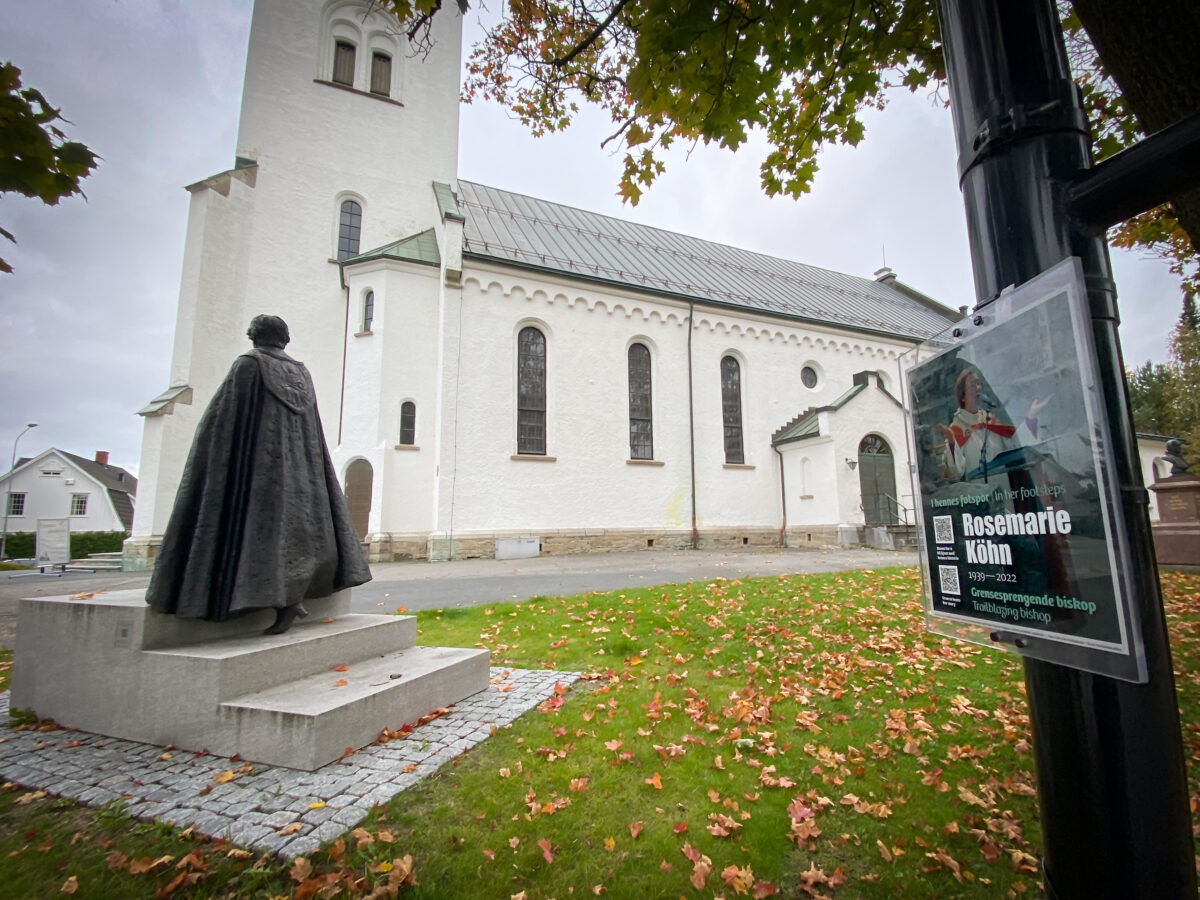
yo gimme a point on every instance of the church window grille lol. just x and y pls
(381, 74)
(408, 423)
(16, 504)
(349, 228)
(79, 504)
(368, 315)
(641, 415)
(531, 392)
(343, 63)
(731, 409)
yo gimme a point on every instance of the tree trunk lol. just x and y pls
(1149, 48)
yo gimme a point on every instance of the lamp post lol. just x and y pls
(7, 499)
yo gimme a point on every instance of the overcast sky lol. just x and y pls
(154, 87)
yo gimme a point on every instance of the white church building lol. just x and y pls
(502, 375)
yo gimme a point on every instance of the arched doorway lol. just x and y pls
(358, 495)
(877, 480)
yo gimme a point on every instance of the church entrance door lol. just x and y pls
(358, 495)
(877, 480)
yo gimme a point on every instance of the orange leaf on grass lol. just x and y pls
(655, 781)
(546, 854)
(635, 828)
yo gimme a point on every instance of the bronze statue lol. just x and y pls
(1174, 456)
(260, 520)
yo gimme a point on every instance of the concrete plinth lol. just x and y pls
(108, 664)
(1177, 533)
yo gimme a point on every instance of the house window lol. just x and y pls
(349, 227)
(16, 504)
(381, 74)
(343, 63)
(808, 377)
(531, 392)
(79, 504)
(408, 423)
(641, 416)
(731, 409)
(368, 311)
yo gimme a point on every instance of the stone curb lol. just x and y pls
(260, 807)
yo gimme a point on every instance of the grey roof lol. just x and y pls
(523, 231)
(808, 423)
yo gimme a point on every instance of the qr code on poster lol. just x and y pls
(943, 530)
(948, 575)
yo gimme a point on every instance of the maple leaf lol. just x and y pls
(740, 880)
(546, 854)
(362, 837)
(764, 889)
(655, 781)
(635, 828)
(301, 869)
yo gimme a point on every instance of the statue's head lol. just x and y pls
(269, 331)
(1174, 447)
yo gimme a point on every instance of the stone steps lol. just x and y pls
(108, 664)
(315, 719)
(97, 562)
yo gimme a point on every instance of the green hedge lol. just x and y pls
(19, 544)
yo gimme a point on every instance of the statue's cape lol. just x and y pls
(260, 519)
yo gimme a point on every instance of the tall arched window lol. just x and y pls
(343, 63)
(731, 409)
(349, 228)
(368, 309)
(408, 423)
(641, 416)
(531, 392)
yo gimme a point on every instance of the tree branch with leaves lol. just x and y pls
(36, 159)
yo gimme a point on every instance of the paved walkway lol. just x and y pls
(265, 808)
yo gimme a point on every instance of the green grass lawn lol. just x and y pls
(792, 737)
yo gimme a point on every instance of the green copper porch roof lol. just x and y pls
(807, 424)
(419, 248)
(523, 231)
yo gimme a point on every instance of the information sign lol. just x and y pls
(53, 542)
(1022, 543)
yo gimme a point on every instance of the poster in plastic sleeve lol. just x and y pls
(53, 542)
(1022, 542)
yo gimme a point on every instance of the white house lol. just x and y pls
(92, 494)
(493, 369)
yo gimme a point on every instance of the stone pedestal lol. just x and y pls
(108, 664)
(1177, 532)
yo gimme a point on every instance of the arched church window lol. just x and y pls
(381, 74)
(408, 423)
(368, 311)
(641, 416)
(731, 409)
(349, 228)
(531, 392)
(343, 63)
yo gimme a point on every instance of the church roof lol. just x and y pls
(524, 231)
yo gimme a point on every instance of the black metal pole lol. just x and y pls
(1109, 754)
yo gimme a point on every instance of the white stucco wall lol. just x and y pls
(48, 496)
(587, 479)
(270, 248)
(1150, 449)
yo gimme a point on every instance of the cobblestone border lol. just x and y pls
(255, 806)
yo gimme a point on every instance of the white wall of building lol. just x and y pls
(49, 481)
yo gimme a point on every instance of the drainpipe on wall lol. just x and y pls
(692, 425)
(345, 341)
(782, 499)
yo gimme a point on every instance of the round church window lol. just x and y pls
(808, 377)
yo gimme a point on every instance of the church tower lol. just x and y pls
(344, 132)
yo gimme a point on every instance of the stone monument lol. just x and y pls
(259, 532)
(1177, 532)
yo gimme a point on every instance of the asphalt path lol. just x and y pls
(470, 582)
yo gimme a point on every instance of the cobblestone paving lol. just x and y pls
(260, 808)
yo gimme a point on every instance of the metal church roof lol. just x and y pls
(524, 231)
